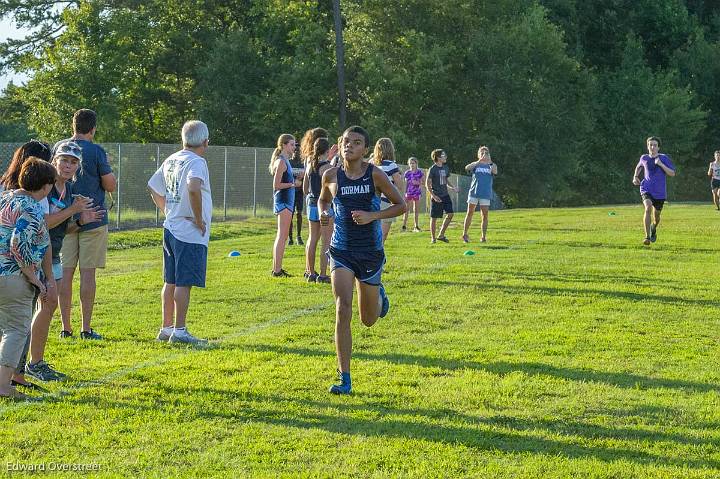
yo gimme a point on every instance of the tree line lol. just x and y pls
(563, 91)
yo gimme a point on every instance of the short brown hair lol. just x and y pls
(84, 121)
(36, 173)
(436, 154)
(653, 138)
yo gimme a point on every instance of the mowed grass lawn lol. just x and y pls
(562, 348)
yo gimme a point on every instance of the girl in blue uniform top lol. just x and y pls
(483, 170)
(317, 165)
(283, 197)
(356, 247)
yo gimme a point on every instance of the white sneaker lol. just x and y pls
(184, 337)
(163, 335)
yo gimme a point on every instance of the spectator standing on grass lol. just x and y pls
(654, 168)
(384, 157)
(24, 240)
(181, 189)
(413, 189)
(64, 208)
(437, 183)
(86, 245)
(298, 171)
(283, 198)
(483, 171)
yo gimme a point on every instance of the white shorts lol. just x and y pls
(478, 201)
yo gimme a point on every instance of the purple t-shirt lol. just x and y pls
(413, 180)
(653, 182)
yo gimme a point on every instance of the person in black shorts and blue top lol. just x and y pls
(283, 198)
(437, 186)
(356, 248)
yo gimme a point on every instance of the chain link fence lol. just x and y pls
(239, 179)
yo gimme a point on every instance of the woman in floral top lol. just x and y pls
(24, 239)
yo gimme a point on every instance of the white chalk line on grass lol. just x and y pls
(244, 332)
(60, 393)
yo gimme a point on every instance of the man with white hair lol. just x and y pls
(181, 188)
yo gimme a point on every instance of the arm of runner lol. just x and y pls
(384, 186)
(636, 175)
(326, 196)
(399, 181)
(710, 170)
(668, 171)
(493, 168)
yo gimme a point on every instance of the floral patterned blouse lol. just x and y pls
(24, 235)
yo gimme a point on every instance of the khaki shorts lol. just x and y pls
(87, 247)
(16, 303)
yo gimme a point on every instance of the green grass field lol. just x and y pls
(562, 348)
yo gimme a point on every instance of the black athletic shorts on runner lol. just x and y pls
(299, 200)
(367, 265)
(437, 209)
(715, 184)
(657, 204)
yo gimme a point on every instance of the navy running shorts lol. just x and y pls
(184, 264)
(367, 265)
(437, 209)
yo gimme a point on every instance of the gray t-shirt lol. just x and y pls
(438, 179)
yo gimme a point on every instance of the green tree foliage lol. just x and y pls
(563, 91)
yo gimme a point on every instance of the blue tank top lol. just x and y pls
(315, 180)
(285, 196)
(354, 195)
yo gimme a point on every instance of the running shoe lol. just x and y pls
(443, 239)
(300, 241)
(432, 240)
(465, 238)
(163, 335)
(416, 230)
(290, 241)
(312, 277)
(653, 233)
(65, 334)
(646, 241)
(404, 228)
(345, 386)
(182, 336)
(385, 302)
(90, 335)
(42, 371)
(280, 274)
(323, 279)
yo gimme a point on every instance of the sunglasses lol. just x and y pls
(69, 149)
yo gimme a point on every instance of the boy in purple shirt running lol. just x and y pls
(654, 166)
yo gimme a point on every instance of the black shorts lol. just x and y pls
(714, 184)
(657, 204)
(299, 200)
(367, 265)
(437, 209)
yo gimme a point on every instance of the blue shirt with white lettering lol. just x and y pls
(482, 182)
(355, 195)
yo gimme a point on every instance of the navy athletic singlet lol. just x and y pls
(285, 198)
(356, 195)
(315, 181)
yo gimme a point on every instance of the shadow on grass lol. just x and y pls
(446, 426)
(502, 368)
(577, 292)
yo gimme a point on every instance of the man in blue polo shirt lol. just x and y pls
(86, 245)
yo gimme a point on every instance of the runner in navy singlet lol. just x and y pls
(356, 248)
